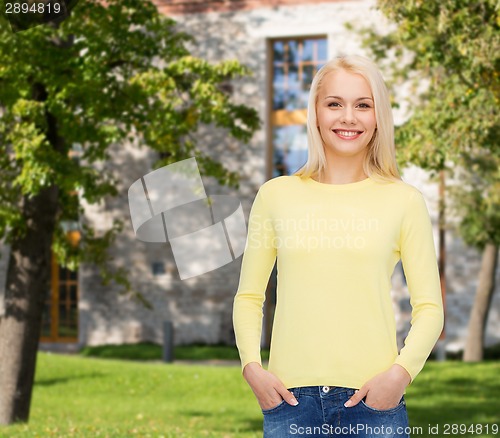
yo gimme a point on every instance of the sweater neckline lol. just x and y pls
(340, 187)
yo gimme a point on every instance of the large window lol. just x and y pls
(294, 64)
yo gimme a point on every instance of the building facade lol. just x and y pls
(283, 43)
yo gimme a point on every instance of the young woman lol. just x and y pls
(337, 228)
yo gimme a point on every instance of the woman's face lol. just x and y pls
(345, 114)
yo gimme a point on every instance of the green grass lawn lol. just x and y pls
(88, 397)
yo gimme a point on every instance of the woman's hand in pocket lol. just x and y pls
(268, 389)
(384, 391)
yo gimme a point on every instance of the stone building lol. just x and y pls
(283, 42)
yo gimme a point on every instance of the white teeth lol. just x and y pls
(348, 133)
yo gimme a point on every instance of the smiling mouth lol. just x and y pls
(347, 134)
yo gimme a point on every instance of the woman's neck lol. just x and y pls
(342, 172)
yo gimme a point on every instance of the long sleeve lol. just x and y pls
(418, 257)
(257, 263)
(336, 246)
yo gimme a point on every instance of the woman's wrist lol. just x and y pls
(250, 367)
(401, 374)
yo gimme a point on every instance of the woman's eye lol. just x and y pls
(364, 105)
(334, 104)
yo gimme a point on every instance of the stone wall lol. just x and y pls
(198, 307)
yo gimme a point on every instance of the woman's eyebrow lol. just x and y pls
(340, 98)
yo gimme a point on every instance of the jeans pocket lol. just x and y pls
(400, 405)
(275, 408)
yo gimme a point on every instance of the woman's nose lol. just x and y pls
(348, 116)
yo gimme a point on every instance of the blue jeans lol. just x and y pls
(321, 413)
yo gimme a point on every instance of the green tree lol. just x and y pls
(112, 71)
(450, 51)
(477, 203)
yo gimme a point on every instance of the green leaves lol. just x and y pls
(450, 52)
(109, 73)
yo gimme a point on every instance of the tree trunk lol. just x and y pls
(25, 292)
(27, 284)
(474, 346)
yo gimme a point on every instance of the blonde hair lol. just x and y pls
(380, 160)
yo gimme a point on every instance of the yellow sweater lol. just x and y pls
(336, 247)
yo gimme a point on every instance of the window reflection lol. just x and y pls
(290, 149)
(294, 64)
